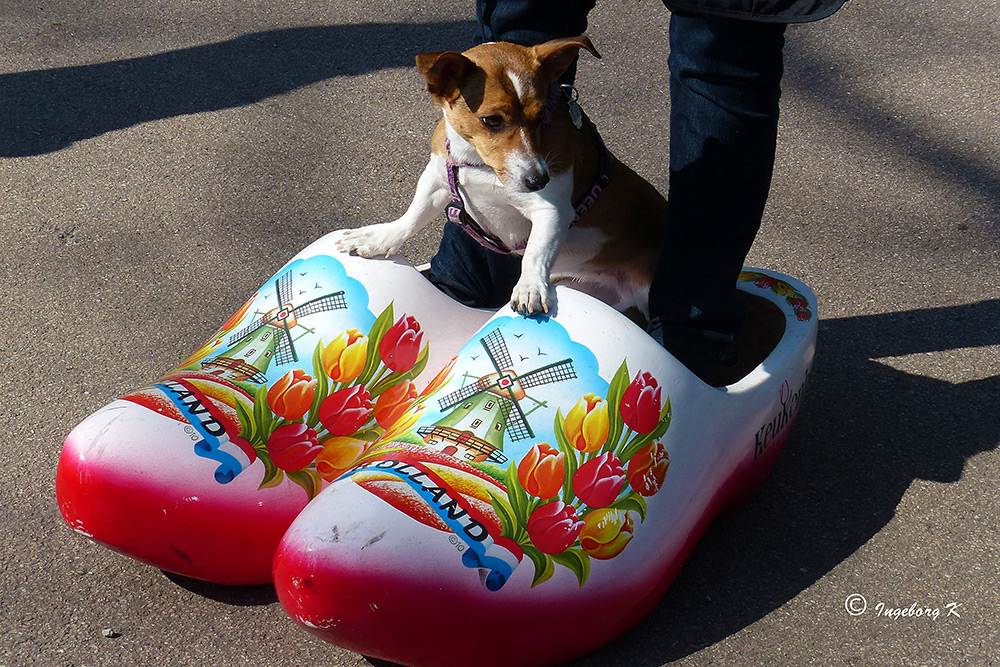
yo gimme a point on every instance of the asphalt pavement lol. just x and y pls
(160, 160)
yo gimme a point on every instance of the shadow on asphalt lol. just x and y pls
(866, 430)
(865, 433)
(240, 596)
(46, 110)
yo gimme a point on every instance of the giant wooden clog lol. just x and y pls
(201, 472)
(541, 494)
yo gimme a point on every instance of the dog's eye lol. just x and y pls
(492, 122)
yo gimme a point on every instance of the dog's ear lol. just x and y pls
(555, 57)
(444, 71)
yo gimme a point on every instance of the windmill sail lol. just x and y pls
(557, 372)
(496, 349)
(335, 301)
(456, 397)
(269, 337)
(517, 424)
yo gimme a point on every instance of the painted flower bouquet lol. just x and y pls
(311, 428)
(573, 502)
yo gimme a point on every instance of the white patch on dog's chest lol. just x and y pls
(490, 204)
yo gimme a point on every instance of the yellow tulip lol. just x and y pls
(344, 358)
(587, 424)
(605, 533)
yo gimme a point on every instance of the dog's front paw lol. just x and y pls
(531, 297)
(372, 241)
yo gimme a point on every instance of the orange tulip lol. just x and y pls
(605, 533)
(393, 402)
(406, 422)
(586, 424)
(438, 381)
(345, 357)
(338, 455)
(292, 395)
(541, 471)
(648, 468)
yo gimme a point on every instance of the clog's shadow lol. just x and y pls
(865, 433)
(45, 110)
(240, 596)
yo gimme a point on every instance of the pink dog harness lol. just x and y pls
(457, 212)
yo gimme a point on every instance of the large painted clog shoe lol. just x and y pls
(541, 494)
(202, 472)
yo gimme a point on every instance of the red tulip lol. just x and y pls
(292, 395)
(640, 406)
(293, 446)
(599, 481)
(541, 470)
(344, 412)
(554, 527)
(648, 468)
(765, 282)
(400, 345)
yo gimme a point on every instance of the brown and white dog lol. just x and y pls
(533, 176)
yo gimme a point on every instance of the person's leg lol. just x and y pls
(463, 269)
(724, 90)
(530, 22)
(471, 274)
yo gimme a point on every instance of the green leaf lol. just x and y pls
(518, 497)
(382, 324)
(571, 457)
(273, 476)
(576, 560)
(248, 429)
(370, 435)
(309, 480)
(641, 440)
(545, 566)
(619, 383)
(632, 502)
(504, 512)
(261, 410)
(322, 386)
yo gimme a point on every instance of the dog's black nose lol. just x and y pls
(536, 182)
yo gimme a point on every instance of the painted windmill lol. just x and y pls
(486, 410)
(269, 337)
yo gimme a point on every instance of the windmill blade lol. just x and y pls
(284, 350)
(335, 301)
(557, 372)
(247, 330)
(456, 397)
(517, 424)
(496, 349)
(283, 285)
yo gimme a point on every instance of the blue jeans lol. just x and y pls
(725, 80)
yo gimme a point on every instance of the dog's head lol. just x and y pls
(495, 96)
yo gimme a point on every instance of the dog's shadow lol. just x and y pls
(865, 433)
(46, 110)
